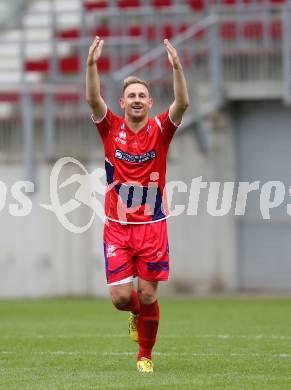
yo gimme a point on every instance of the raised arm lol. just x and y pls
(181, 98)
(93, 95)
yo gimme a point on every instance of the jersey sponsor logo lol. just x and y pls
(138, 158)
(122, 135)
(158, 266)
(121, 138)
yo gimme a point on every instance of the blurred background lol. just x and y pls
(237, 59)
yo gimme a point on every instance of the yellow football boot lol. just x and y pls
(145, 365)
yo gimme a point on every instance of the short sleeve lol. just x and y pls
(104, 125)
(167, 126)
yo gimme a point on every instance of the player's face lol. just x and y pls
(136, 102)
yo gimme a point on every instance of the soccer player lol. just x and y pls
(135, 233)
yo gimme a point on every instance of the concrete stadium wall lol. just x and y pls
(203, 247)
(263, 155)
(38, 256)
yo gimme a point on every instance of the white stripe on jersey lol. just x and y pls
(158, 123)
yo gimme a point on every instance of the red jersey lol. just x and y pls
(135, 165)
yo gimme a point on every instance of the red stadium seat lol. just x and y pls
(278, 1)
(61, 97)
(104, 64)
(9, 97)
(128, 3)
(168, 31)
(229, 2)
(134, 31)
(161, 3)
(72, 97)
(275, 29)
(253, 30)
(42, 65)
(69, 64)
(72, 64)
(152, 33)
(93, 5)
(14, 97)
(228, 30)
(73, 33)
(197, 5)
(66, 65)
(103, 31)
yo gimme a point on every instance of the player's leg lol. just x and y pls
(148, 319)
(152, 267)
(147, 291)
(120, 267)
(124, 297)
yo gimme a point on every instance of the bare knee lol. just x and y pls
(147, 294)
(120, 297)
(120, 301)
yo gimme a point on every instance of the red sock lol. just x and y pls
(147, 327)
(133, 305)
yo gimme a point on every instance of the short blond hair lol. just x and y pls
(134, 80)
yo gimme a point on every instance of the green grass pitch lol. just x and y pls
(202, 344)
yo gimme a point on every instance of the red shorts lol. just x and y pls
(136, 250)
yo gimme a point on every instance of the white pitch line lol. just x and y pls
(179, 354)
(113, 335)
(63, 336)
(256, 337)
(197, 354)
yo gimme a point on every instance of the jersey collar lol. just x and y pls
(146, 127)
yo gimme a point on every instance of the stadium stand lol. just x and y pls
(197, 5)
(131, 28)
(93, 5)
(128, 3)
